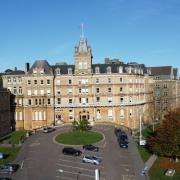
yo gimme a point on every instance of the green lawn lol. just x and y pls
(13, 138)
(145, 154)
(160, 166)
(79, 138)
(10, 153)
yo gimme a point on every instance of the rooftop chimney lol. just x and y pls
(27, 66)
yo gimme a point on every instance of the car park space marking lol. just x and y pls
(99, 166)
(22, 164)
(62, 177)
(90, 170)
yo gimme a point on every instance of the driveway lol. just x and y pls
(42, 159)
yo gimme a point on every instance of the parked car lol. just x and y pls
(71, 151)
(1, 155)
(91, 147)
(123, 137)
(123, 141)
(9, 168)
(91, 159)
(48, 129)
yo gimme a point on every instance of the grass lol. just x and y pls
(144, 153)
(79, 138)
(13, 138)
(10, 154)
(160, 166)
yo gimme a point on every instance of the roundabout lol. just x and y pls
(79, 137)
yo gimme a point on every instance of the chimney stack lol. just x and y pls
(15, 68)
(27, 66)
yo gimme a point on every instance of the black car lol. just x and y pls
(71, 151)
(123, 137)
(123, 141)
(8, 168)
(123, 144)
(91, 147)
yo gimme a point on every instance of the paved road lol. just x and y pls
(42, 159)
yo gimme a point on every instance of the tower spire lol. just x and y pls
(82, 30)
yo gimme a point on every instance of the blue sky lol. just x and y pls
(145, 31)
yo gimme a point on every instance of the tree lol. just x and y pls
(166, 139)
(81, 124)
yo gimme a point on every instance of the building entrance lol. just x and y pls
(84, 114)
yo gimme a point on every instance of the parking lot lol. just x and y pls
(42, 159)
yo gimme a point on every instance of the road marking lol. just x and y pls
(77, 168)
(128, 177)
(80, 163)
(22, 164)
(62, 177)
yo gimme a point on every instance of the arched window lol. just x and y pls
(98, 114)
(108, 70)
(97, 70)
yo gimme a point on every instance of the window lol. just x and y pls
(120, 69)
(109, 99)
(97, 99)
(70, 81)
(58, 100)
(121, 80)
(121, 99)
(165, 85)
(29, 81)
(42, 71)
(97, 90)
(42, 82)
(58, 72)
(69, 70)
(39, 101)
(130, 99)
(109, 80)
(43, 101)
(20, 80)
(49, 101)
(165, 93)
(48, 92)
(97, 80)
(79, 100)
(79, 90)
(20, 116)
(20, 90)
(70, 101)
(48, 81)
(35, 81)
(109, 113)
(58, 82)
(36, 102)
(121, 113)
(98, 114)
(130, 113)
(97, 70)
(29, 92)
(58, 92)
(121, 89)
(14, 80)
(35, 92)
(69, 91)
(9, 80)
(29, 101)
(14, 90)
(109, 90)
(42, 92)
(109, 70)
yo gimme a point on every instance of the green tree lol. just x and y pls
(81, 124)
(166, 139)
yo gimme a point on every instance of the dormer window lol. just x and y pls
(97, 70)
(120, 69)
(109, 70)
(42, 71)
(34, 71)
(69, 70)
(58, 72)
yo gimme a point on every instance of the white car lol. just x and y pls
(91, 159)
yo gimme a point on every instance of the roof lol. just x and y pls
(41, 64)
(161, 70)
(17, 72)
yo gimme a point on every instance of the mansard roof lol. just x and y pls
(41, 64)
(64, 68)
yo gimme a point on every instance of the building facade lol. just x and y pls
(166, 90)
(5, 112)
(53, 94)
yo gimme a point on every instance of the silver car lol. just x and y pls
(91, 159)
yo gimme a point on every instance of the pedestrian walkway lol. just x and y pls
(150, 161)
